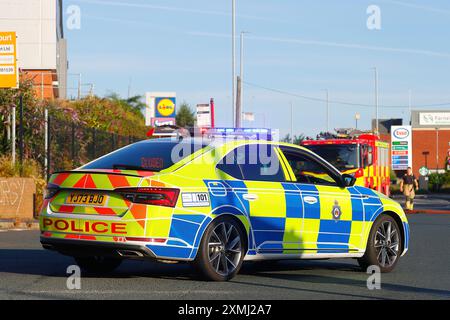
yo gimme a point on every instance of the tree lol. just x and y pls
(185, 116)
(134, 103)
(298, 139)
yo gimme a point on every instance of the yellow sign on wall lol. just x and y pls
(9, 77)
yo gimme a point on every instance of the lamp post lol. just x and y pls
(376, 99)
(357, 118)
(292, 122)
(437, 150)
(243, 33)
(410, 106)
(328, 110)
(233, 63)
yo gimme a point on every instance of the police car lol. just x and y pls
(216, 204)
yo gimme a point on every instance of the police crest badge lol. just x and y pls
(336, 212)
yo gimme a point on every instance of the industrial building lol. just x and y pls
(431, 140)
(41, 47)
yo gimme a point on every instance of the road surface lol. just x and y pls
(29, 272)
(430, 202)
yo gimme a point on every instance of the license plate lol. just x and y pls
(92, 199)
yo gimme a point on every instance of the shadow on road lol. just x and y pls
(274, 271)
(46, 263)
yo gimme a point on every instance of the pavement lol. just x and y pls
(12, 224)
(430, 203)
(29, 272)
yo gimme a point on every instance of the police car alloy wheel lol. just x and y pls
(384, 245)
(222, 250)
(98, 264)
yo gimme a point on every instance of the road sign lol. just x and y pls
(248, 116)
(204, 117)
(9, 77)
(401, 148)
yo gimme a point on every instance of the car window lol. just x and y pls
(151, 155)
(307, 170)
(342, 156)
(257, 162)
(230, 166)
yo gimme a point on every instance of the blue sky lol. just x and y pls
(297, 46)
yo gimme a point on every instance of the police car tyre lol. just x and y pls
(222, 250)
(97, 264)
(383, 246)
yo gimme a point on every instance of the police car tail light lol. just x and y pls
(165, 197)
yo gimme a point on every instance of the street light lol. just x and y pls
(233, 38)
(243, 33)
(357, 118)
(328, 109)
(292, 122)
(410, 106)
(376, 98)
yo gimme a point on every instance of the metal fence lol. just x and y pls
(69, 145)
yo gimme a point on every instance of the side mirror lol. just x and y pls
(348, 180)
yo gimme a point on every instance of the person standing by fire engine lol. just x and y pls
(408, 185)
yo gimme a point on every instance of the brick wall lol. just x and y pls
(425, 140)
(43, 82)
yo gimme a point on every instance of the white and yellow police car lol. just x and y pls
(216, 205)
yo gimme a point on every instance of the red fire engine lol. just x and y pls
(362, 154)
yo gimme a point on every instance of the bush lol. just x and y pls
(436, 181)
(112, 115)
(447, 178)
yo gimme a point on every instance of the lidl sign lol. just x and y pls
(165, 107)
(9, 77)
(161, 107)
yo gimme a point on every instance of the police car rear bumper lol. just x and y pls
(81, 248)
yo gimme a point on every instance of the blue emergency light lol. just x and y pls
(244, 133)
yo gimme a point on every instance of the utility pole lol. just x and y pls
(242, 69)
(129, 88)
(238, 103)
(46, 144)
(357, 118)
(328, 110)
(21, 133)
(233, 38)
(376, 100)
(292, 122)
(79, 86)
(410, 105)
(437, 150)
(13, 135)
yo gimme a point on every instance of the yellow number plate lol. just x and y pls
(92, 199)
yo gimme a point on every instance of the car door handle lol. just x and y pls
(250, 197)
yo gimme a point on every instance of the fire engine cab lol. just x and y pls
(361, 154)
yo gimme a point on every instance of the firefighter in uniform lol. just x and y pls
(408, 186)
